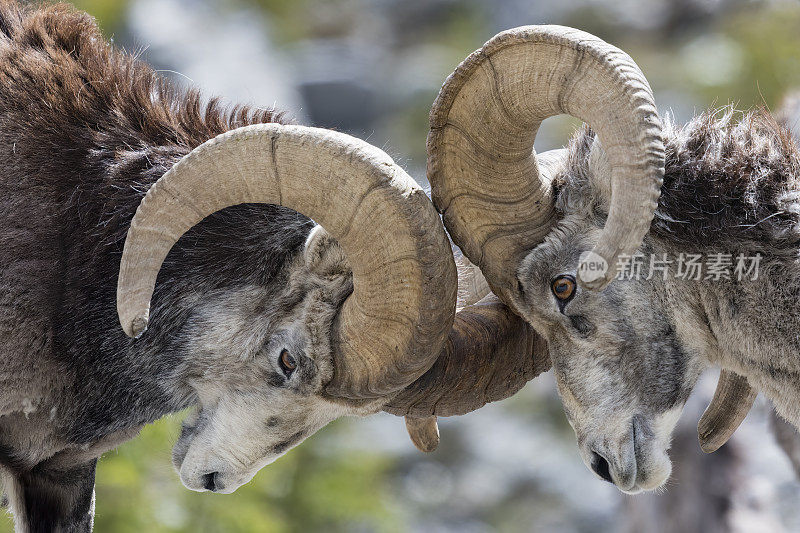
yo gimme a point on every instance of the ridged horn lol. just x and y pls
(732, 400)
(482, 167)
(393, 325)
(490, 354)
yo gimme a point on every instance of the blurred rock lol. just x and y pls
(789, 113)
(226, 53)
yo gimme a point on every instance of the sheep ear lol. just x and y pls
(601, 172)
(472, 286)
(323, 255)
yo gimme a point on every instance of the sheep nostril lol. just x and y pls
(210, 481)
(600, 467)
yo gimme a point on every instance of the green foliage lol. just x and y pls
(770, 40)
(292, 16)
(138, 490)
(306, 490)
(110, 14)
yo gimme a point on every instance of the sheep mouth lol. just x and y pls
(181, 447)
(646, 470)
(638, 458)
(637, 449)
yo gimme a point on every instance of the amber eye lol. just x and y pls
(563, 287)
(287, 362)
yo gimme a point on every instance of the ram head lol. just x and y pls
(548, 232)
(361, 320)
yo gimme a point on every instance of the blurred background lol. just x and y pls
(372, 68)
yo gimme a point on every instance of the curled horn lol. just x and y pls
(393, 325)
(489, 355)
(732, 400)
(486, 340)
(486, 180)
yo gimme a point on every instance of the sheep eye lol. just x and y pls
(287, 362)
(563, 287)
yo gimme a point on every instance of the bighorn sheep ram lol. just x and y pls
(232, 302)
(550, 232)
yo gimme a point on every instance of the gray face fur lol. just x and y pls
(626, 358)
(621, 370)
(250, 410)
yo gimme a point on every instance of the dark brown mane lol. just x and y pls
(729, 184)
(88, 128)
(59, 53)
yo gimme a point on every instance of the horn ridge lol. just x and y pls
(491, 353)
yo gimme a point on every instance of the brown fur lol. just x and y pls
(59, 54)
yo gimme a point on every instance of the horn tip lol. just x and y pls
(707, 448)
(732, 401)
(708, 445)
(711, 440)
(138, 327)
(424, 433)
